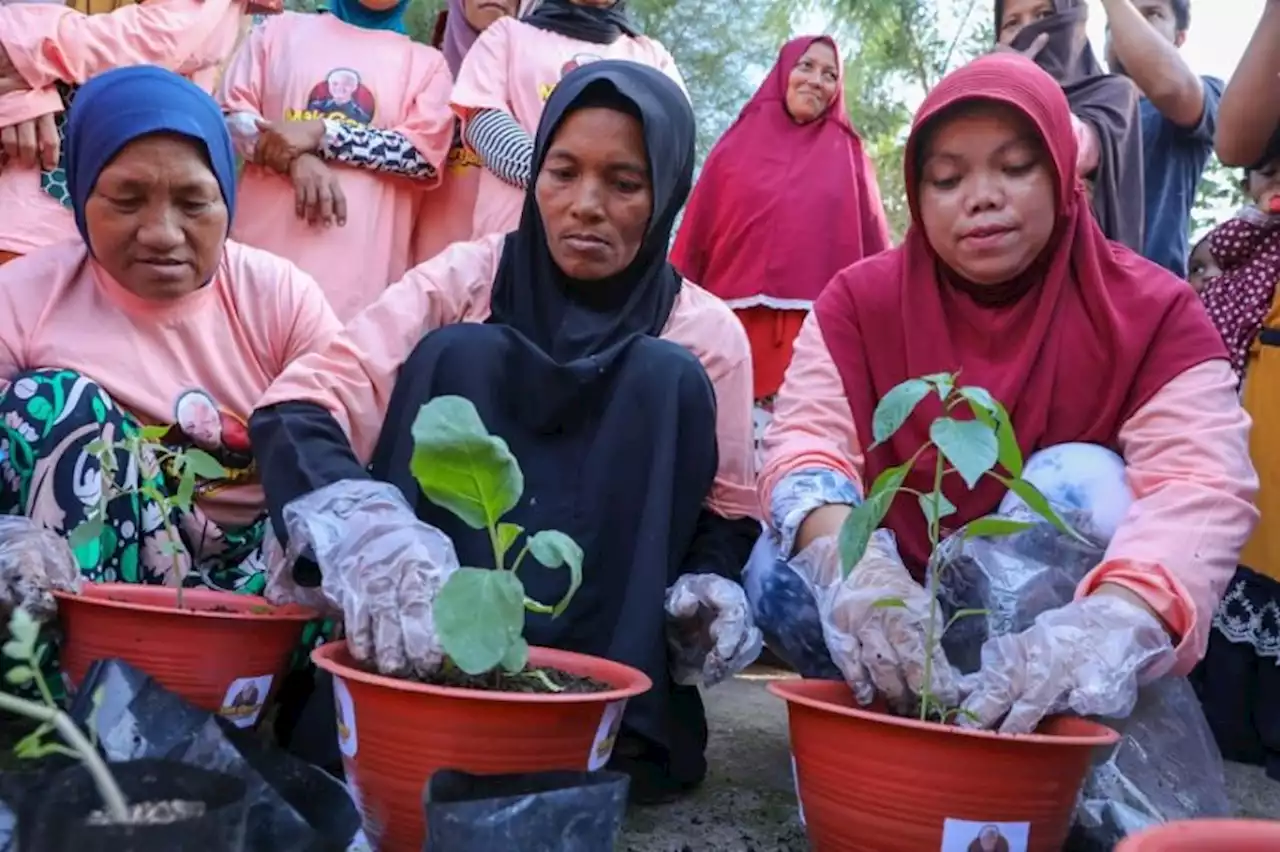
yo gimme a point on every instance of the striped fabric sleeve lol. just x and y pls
(504, 146)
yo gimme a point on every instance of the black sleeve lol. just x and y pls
(721, 546)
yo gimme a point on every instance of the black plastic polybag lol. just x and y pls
(559, 811)
(61, 818)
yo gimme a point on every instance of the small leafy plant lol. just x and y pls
(26, 655)
(972, 449)
(479, 614)
(144, 451)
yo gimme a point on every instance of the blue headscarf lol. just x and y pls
(359, 15)
(124, 104)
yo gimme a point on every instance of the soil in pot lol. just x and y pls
(394, 734)
(533, 812)
(547, 680)
(222, 651)
(177, 808)
(872, 782)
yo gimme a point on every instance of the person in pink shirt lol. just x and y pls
(623, 391)
(342, 120)
(47, 50)
(151, 319)
(510, 72)
(1006, 277)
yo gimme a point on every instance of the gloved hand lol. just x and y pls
(34, 563)
(380, 566)
(878, 648)
(1088, 657)
(709, 629)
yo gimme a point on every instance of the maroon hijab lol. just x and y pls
(1076, 346)
(781, 207)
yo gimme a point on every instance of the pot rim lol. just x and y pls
(640, 683)
(1104, 736)
(1189, 829)
(95, 594)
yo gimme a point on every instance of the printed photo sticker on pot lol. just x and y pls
(245, 698)
(345, 709)
(962, 835)
(606, 735)
(795, 779)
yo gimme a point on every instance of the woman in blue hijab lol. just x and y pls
(150, 326)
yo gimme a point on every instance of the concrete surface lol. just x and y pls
(748, 801)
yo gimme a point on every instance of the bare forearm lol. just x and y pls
(1154, 65)
(1250, 109)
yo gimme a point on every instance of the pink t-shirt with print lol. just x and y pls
(200, 362)
(51, 43)
(513, 67)
(301, 66)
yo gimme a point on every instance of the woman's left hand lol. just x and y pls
(709, 629)
(282, 142)
(1088, 657)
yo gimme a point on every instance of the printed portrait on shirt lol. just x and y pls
(576, 62)
(343, 96)
(199, 422)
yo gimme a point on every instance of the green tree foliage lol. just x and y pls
(1219, 194)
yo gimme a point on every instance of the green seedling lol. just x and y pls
(984, 446)
(479, 613)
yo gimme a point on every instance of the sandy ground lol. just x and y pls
(748, 801)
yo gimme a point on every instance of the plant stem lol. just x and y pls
(524, 551)
(112, 797)
(930, 638)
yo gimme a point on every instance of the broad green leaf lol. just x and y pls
(979, 400)
(25, 631)
(994, 527)
(554, 549)
(479, 614)
(86, 532)
(460, 466)
(152, 434)
(204, 465)
(970, 446)
(517, 656)
(186, 490)
(944, 507)
(1010, 455)
(95, 448)
(945, 383)
(15, 650)
(19, 675)
(507, 535)
(855, 532)
(895, 407)
(889, 603)
(1039, 504)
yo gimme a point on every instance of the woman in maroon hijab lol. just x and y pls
(1006, 276)
(786, 200)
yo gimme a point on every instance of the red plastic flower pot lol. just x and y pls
(1202, 835)
(872, 782)
(394, 734)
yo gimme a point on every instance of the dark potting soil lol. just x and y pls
(529, 680)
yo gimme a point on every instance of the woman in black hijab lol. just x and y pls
(1053, 34)
(624, 392)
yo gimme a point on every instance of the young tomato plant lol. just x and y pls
(26, 655)
(479, 614)
(144, 453)
(972, 449)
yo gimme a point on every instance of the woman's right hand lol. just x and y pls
(380, 567)
(875, 622)
(318, 194)
(34, 563)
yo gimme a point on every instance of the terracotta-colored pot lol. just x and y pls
(394, 734)
(871, 782)
(222, 651)
(1200, 835)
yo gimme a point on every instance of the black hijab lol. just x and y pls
(585, 23)
(1108, 102)
(570, 320)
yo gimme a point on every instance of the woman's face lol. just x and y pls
(1020, 13)
(989, 838)
(594, 193)
(156, 218)
(812, 83)
(481, 13)
(986, 194)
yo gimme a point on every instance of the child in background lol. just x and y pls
(1201, 267)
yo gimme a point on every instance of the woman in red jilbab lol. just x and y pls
(1006, 277)
(786, 200)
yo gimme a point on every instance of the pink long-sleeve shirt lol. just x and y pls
(353, 378)
(1186, 453)
(49, 43)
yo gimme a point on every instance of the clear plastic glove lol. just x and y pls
(34, 563)
(709, 629)
(380, 566)
(1088, 657)
(878, 648)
